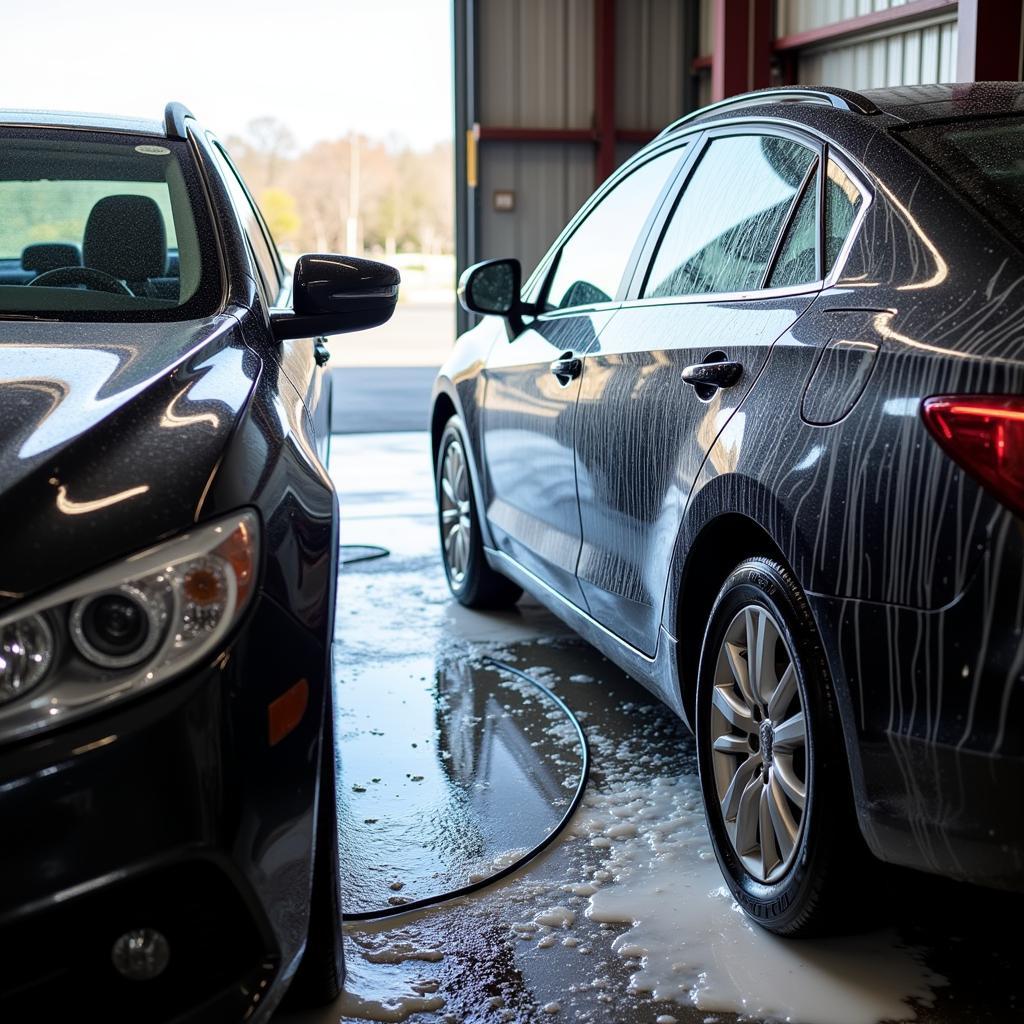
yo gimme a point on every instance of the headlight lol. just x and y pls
(125, 628)
(26, 647)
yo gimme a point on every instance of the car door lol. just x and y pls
(715, 289)
(532, 382)
(302, 360)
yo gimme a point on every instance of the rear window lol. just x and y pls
(100, 226)
(983, 160)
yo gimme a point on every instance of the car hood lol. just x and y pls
(110, 435)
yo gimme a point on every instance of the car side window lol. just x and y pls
(723, 231)
(266, 259)
(591, 263)
(797, 262)
(843, 200)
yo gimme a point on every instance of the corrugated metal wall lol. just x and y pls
(792, 16)
(917, 54)
(649, 56)
(535, 69)
(550, 181)
(535, 63)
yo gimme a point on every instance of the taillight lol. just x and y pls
(985, 434)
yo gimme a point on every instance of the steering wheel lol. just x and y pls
(69, 277)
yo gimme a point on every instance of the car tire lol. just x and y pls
(773, 767)
(471, 580)
(321, 973)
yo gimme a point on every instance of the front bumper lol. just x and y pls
(171, 812)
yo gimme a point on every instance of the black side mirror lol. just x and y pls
(334, 294)
(492, 288)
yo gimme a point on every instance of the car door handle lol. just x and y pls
(566, 368)
(713, 375)
(321, 353)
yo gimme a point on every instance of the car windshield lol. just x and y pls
(102, 226)
(984, 160)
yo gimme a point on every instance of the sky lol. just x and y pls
(324, 67)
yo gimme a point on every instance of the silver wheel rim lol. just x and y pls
(759, 744)
(456, 511)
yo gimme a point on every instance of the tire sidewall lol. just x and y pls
(464, 590)
(779, 905)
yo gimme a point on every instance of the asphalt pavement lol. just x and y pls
(381, 399)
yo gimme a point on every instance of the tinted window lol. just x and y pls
(983, 159)
(797, 261)
(724, 228)
(95, 225)
(593, 260)
(842, 201)
(265, 258)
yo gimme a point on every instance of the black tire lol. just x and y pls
(471, 580)
(809, 888)
(321, 972)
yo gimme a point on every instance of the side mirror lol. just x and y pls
(334, 294)
(491, 287)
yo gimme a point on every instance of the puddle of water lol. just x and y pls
(688, 941)
(464, 773)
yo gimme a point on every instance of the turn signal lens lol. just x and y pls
(985, 435)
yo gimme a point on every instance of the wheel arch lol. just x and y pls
(443, 410)
(722, 543)
(445, 404)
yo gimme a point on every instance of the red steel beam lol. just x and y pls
(989, 41)
(604, 88)
(910, 11)
(741, 58)
(497, 133)
(641, 135)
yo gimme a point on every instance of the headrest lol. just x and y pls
(44, 256)
(124, 237)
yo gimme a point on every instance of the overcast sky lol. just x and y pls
(325, 67)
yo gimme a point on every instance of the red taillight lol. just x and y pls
(985, 434)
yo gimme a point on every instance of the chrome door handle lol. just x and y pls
(566, 368)
(713, 375)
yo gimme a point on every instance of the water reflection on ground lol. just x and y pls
(450, 766)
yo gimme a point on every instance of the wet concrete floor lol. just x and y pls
(452, 767)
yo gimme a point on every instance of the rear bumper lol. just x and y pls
(172, 812)
(933, 714)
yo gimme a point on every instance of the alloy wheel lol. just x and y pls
(456, 511)
(759, 744)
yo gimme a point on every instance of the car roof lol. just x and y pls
(172, 126)
(902, 105)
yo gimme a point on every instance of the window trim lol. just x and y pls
(545, 271)
(836, 156)
(815, 171)
(260, 223)
(757, 126)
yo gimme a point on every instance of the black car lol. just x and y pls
(167, 577)
(755, 428)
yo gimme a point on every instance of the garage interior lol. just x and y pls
(623, 918)
(521, 825)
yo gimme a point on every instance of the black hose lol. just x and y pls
(466, 890)
(362, 553)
